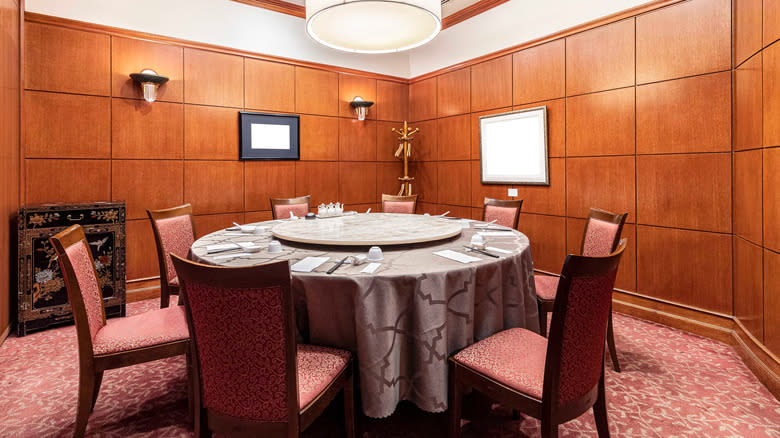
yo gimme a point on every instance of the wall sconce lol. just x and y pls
(361, 107)
(149, 80)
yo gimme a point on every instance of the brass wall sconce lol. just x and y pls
(361, 107)
(149, 81)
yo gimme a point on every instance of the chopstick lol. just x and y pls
(337, 265)
(481, 252)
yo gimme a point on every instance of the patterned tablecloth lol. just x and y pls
(403, 321)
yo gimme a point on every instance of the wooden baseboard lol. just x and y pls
(764, 365)
(143, 290)
(699, 322)
(6, 332)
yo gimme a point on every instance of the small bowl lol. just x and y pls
(374, 254)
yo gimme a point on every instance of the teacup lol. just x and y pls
(274, 247)
(374, 254)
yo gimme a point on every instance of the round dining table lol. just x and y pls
(405, 319)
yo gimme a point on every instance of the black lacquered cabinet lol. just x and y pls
(42, 299)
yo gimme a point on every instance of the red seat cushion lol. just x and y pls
(143, 330)
(174, 282)
(546, 286)
(514, 357)
(317, 368)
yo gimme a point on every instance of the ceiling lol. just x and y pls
(496, 25)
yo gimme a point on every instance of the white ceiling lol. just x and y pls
(244, 27)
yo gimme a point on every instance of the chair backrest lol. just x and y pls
(174, 233)
(281, 207)
(81, 280)
(575, 351)
(602, 232)
(242, 328)
(505, 213)
(399, 204)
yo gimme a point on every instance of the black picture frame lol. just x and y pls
(246, 122)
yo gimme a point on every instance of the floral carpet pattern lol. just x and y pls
(673, 384)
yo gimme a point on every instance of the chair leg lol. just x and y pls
(549, 430)
(600, 411)
(349, 408)
(98, 381)
(542, 319)
(165, 297)
(86, 393)
(455, 403)
(611, 344)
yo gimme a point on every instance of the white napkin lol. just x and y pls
(219, 248)
(248, 245)
(502, 251)
(230, 256)
(507, 233)
(457, 256)
(371, 268)
(309, 264)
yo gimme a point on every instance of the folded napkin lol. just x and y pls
(221, 247)
(494, 249)
(371, 268)
(506, 233)
(457, 256)
(309, 264)
(230, 256)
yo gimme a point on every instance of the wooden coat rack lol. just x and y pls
(405, 149)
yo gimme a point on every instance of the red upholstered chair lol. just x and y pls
(252, 378)
(399, 204)
(281, 207)
(555, 379)
(505, 213)
(119, 343)
(174, 233)
(601, 236)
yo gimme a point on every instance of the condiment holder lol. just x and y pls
(330, 210)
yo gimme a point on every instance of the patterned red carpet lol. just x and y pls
(673, 384)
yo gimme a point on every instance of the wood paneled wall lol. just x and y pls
(9, 153)
(88, 135)
(757, 169)
(639, 119)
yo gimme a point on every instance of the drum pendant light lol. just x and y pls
(373, 26)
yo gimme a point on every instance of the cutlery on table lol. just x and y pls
(445, 213)
(481, 251)
(486, 224)
(368, 211)
(337, 265)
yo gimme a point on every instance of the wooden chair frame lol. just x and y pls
(289, 201)
(517, 204)
(546, 409)
(395, 198)
(166, 289)
(91, 366)
(546, 306)
(272, 274)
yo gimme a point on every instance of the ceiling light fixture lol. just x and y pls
(373, 26)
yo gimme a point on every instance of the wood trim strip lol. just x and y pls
(288, 8)
(277, 6)
(764, 365)
(33, 17)
(628, 13)
(469, 12)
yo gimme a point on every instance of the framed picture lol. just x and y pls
(513, 147)
(269, 136)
